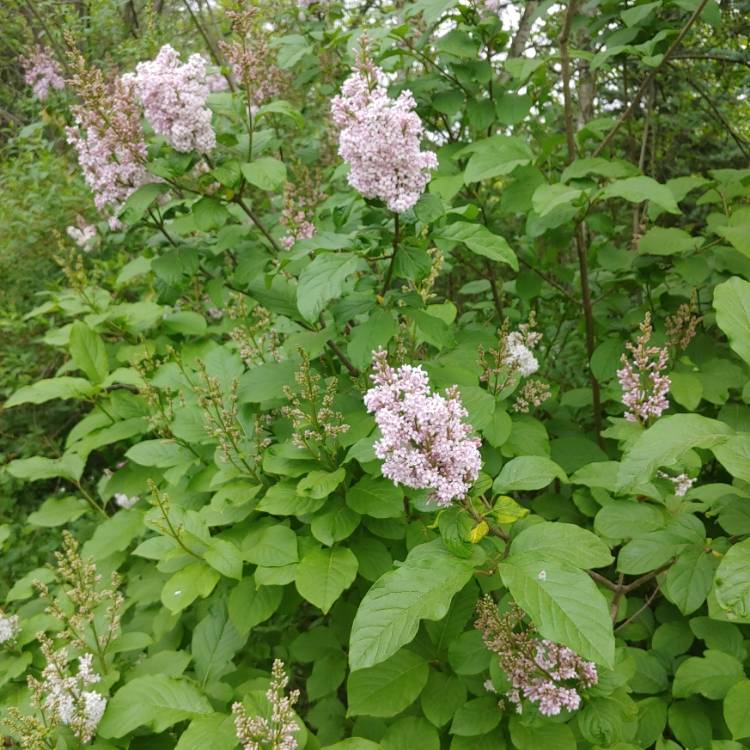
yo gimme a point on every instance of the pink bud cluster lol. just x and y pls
(174, 96)
(109, 141)
(539, 670)
(644, 384)
(42, 72)
(380, 139)
(425, 443)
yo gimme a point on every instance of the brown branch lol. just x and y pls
(336, 349)
(580, 231)
(647, 80)
(241, 203)
(640, 611)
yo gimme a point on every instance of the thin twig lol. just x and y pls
(396, 240)
(336, 349)
(647, 80)
(241, 203)
(640, 611)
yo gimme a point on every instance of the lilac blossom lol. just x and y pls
(519, 355)
(541, 671)
(379, 138)
(682, 482)
(124, 501)
(108, 139)
(644, 384)
(42, 72)
(83, 234)
(10, 626)
(425, 443)
(173, 95)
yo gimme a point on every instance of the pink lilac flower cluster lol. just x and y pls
(108, 139)
(644, 384)
(425, 443)
(300, 200)
(380, 139)
(173, 95)
(547, 674)
(42, 72)
(493, 6)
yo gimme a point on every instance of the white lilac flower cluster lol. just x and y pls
(425, 442)
(83, 234)
(173, 96)
(380, 139)
(42, 72)
(682, 482)
(124, 501)
(10, 626)
(519, 355)
(65, 697)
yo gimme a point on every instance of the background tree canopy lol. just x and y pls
(375, 375)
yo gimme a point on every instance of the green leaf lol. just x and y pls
(477, 716)
(250, 604)
(45, 390)
(225, 557)
(732, 583)
(599, 166)
(710, 675)
(265, 173)
(324, 574)
(671, 241)
(139, 200)
(665, 441)
(215, 642)
(547, 198)
(410, 733)
(495, 156)
(564, 604)
(185, 322)
(639, 13)
(323, 280)
(88, 352)
(562, 542)
(527, 473)
(421, 589)
(734, 455)
(156, 700)
(479, 239)
(160, 453)
(320, 484)
(639, 189)
(267, 381)
(689, 580)
(377, 497)
(389, 687)
(369, 336)
(732, 305)
(186, 585)
(70, 466)
(271, 546)
(443, 695)
(56, 511)
(209, 214)
(736, 714)
(215, 731)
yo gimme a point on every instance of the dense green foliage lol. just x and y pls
(179, 361)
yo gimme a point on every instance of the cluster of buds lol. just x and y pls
(80, 582)
(274, 732)
(644, 384)
(426, 442)
(310, 411)
(300, 200)
(160, 404)
(257, 340)
(540, 671)
(424, 287)
(533, 394)
(250, 58)
(682, 326)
